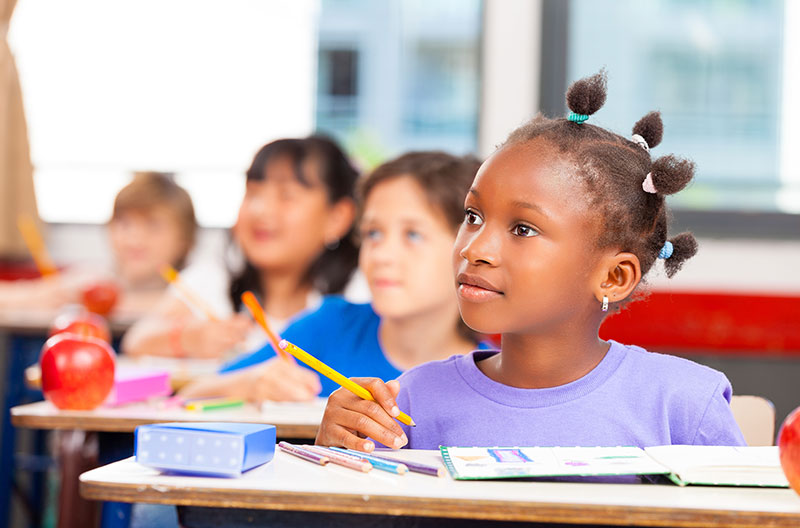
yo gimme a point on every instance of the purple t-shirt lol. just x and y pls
(632, 397)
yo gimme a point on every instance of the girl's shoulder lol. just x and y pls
(440, 370)
(658, 367)
(337, 311)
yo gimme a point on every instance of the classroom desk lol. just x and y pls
(288, 483)
(292, 420)
(39, 322)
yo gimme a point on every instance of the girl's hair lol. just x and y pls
(614, 169)
(151, 189)
(331, 271)
(444, 179)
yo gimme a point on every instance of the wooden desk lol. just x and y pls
(292, 420)
(39, 322)
(288, 483)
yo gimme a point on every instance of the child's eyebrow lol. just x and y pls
(532, 206)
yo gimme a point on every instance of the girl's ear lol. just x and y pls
(341, 218)
(619, 275)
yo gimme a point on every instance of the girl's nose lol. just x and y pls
(481, 247)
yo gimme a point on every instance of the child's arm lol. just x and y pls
(348, 419)
(172, 330)
(275, 380)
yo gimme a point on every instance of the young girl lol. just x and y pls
(412, 207)
(293, 229)
(560, 224)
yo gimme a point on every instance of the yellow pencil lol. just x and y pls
(171, 275)
(325, 370)
(33, 239)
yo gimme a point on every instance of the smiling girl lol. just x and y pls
(560, 224)
(293, 229)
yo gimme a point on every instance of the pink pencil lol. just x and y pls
(341, 460)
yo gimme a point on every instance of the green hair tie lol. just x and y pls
(577, 118)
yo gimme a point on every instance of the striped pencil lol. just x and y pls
(305, 454)
(340, 459)
(414, 467)
(378, 463)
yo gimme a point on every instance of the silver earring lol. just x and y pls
(605, 303)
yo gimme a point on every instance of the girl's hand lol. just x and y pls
(348, 419)
(280, 380)
(211, 339)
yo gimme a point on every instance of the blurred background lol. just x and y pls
(195, 87)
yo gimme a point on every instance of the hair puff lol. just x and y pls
(684, 247)
(671, 174)
(588, 95)
(651, 128)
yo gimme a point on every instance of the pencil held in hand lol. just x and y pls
(328, 372)
(33, 239)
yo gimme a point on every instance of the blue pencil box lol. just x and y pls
(204, 448)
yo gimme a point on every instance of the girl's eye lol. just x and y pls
(414, 236)
(524, 231)
(472, 218)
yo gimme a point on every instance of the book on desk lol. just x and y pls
(682, 464)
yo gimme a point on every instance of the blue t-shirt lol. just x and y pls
(341, 334)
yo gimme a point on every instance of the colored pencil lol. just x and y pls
(172, 276)
(257, 312)
(378, 463)
(414, 467)
(305, 454)
(341, 460)
(328, 372)
(35, 243)
(214, 404)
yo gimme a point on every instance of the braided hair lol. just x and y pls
(626, 186)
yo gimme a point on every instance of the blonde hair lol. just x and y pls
(151, 189)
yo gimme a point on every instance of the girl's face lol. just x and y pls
(524, 254)
(145, 241)
(406, 247)
(283, 225)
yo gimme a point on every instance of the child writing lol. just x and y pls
(411, 209)
(561, 223)
(293, 230)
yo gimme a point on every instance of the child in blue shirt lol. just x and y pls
(411, 208)
(561, 223)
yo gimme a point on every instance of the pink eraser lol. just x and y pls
(133, 385)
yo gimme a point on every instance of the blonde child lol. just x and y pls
(561, 223)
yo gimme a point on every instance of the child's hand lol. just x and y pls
(348, 419)
(211, 339)
(280, 380)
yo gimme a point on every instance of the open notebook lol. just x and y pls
(704, 465)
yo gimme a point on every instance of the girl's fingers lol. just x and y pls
(338, 436)
(367, 426)
(382, 394)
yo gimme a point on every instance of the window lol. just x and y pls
(716, 71)
(398, 75)
(193, 87)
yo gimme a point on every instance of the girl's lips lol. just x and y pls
(472, 293)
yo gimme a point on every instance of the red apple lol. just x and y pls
(81, 323)
(789, 447)
(77, 371)
(100, 297)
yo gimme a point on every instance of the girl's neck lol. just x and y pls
(541, 361)
(429, 336)
(284, 293)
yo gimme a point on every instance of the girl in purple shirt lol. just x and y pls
(561, 223)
